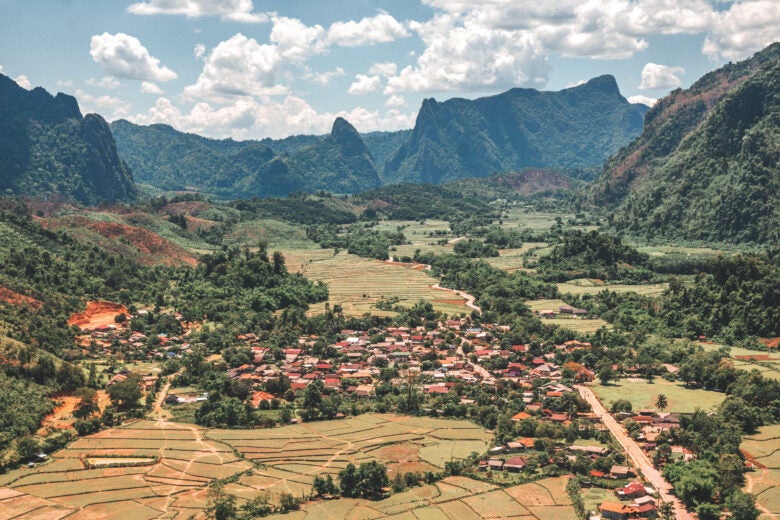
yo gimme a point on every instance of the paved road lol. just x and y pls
(652, 475)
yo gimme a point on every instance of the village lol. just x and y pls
(453, 365)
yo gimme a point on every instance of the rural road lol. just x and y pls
(469, 298)
(652, 475)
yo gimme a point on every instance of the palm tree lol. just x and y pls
(661, 402)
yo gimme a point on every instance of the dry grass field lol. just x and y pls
(575, 324)
(587, 286)
(289, 458)
(357, 284)
(642, 394)
(455, 498)
(183, 463)
(764, 448)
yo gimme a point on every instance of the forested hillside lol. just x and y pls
(706, 165)
(575, 127)
(46, 146)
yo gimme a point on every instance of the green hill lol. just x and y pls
(47, 146)
(706, 165)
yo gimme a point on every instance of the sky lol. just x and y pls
(250, 69)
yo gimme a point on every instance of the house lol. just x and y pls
(515, 464)
(620, 471)
(259, 397)
(496, 464)
(632, 490)
(521, 416)
(615, 511)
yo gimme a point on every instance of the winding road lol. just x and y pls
(643, 464)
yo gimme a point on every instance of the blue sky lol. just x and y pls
(259, 68)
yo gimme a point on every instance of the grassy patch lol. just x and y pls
(642, 394)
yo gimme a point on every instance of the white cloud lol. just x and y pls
(746, 27)
(655, 76)
(147, 87)
(296, 41)
(123, 56)
(576, 83)
(199, 50)
(247, 117)
(23, 81)
(382, 28)
(1, 68)
(364, 84)
(109, 107)
(470, 57)
(383, 69)
(395, 101)
(645, 100)
(233, 10)
(647, 17)
(61, 83)
(322, 78)
(108, 82)
(238, 66)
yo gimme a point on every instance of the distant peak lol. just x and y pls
(605, 83)
(341, 126)
(347, 137)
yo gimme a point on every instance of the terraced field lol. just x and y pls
(289, 458)
(456, 498)
(763, 448)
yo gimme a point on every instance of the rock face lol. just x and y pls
(575, 127)
(47, 147)
(706, 166)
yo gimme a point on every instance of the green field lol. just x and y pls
(357, 284)
(769, 368)
(575, 324)
(586, 286)
(642, 394)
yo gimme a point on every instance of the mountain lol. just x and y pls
(576, 127)
(173, 160)
(706, 165)
(47, 146)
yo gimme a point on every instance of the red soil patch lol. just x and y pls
(146, 242)
(771, 342)
(14, 298)
(97, 314)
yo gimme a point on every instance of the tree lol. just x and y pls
(621, 405)
(606, 375)
(661, 402)
(312, 401)
(666, 511)
(125, 394)
(742, 506)
(220, 505)
(348, 480)
(372, 479)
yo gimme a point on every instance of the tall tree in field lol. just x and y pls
(661, 402)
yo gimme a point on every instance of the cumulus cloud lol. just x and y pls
(247, 117)
(233, 10)
(659, 76)
(322, 78)
(395, 101)
(238, 66)
(123, 56)
(295, 41)
(109, 107)
(382, 28)
(470, 57)
(147, 87)
(645, 100)
(746, 27)
(383, 69)
(108, 82)
(62, 83)
(23, 81)
(199, 50)
(364, 84)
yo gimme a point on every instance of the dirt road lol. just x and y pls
(643, 464)
(469, 298)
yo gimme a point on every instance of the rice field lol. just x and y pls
(455, 498)
(581, 325)
(87, 479)
(587, 286)
(289, 458)
(357, 284)
(764, 448)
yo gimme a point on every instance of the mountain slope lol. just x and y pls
(46, 146)
(575, 127)
(706, 166)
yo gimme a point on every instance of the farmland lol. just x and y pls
(764, 482)
(642, 394)
(456, 498)
(289, 458)
(357, 284)
(576, 324)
